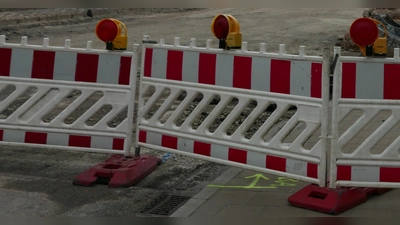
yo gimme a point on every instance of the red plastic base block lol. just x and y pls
(332, 201)
(119, 170)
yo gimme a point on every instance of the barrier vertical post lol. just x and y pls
(335, 116)
(127, 144)
(325, 117)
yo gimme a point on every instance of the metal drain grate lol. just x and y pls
(164, 205)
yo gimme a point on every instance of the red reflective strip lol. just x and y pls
(207, 67)
(1, 135)
(86, 67)
(280, 76)
(35, 138)
(202, 148)
(316, 80)
(276, 163)
(242, 72)
(174, 65)
(125, 70)
(391, 81)
(236, 155)
(79, 141)
(169, 142)
(43, 64)
(142, 136)
(118, 144)
(389, 174)
(148, 59)
(343, 173)
(348, 80)
(5, 61)
(312, 170)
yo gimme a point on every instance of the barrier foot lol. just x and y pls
(332, 201)
(119, 171)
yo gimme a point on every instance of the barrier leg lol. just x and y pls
(119, 171)
(332, 201)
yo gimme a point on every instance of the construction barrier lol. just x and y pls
(66, 98)
(366, 116)
(205, 103)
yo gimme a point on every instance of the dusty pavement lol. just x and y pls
(38, 182)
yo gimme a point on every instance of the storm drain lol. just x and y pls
(164, 205)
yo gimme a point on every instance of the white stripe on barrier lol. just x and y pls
(64, 66)
(300, 77)
(21, 63)
(224, 70)
(107, 66)
(190, 68)
(369, 80)
(57, 139)
(219, 152)
(260, 76)
(365, 173)
(159, 64)
(14, 135)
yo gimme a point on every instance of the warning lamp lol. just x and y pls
(226, 28)
(110, 32)
(365, 34)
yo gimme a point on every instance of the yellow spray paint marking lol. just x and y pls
(279, 182)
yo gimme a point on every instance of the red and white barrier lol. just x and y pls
(369, 85)
(56, 73)
(266, 78)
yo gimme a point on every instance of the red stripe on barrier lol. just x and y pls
(280, 76)
(312, 170)
(169, 142)
(316, 80)
(5, 61)
(148, 59)
(276, 163)
(391, 81)
(202, 148)
(343, 173)
(242, 72)
(1, 135)
(118, 144)
(174, 65)
(348, 80)
(142, 136)
(389, 174)
(35, 138)
(207, 67)
(79, 141)
(237, 155)
(125, 70)
(86, 67)
(43, 64)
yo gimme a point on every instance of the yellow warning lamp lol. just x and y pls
(226, 28)
(365, 34)
(110, 32)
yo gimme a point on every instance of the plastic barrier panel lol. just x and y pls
(67, 98)
(366, 122)
(255, 110)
